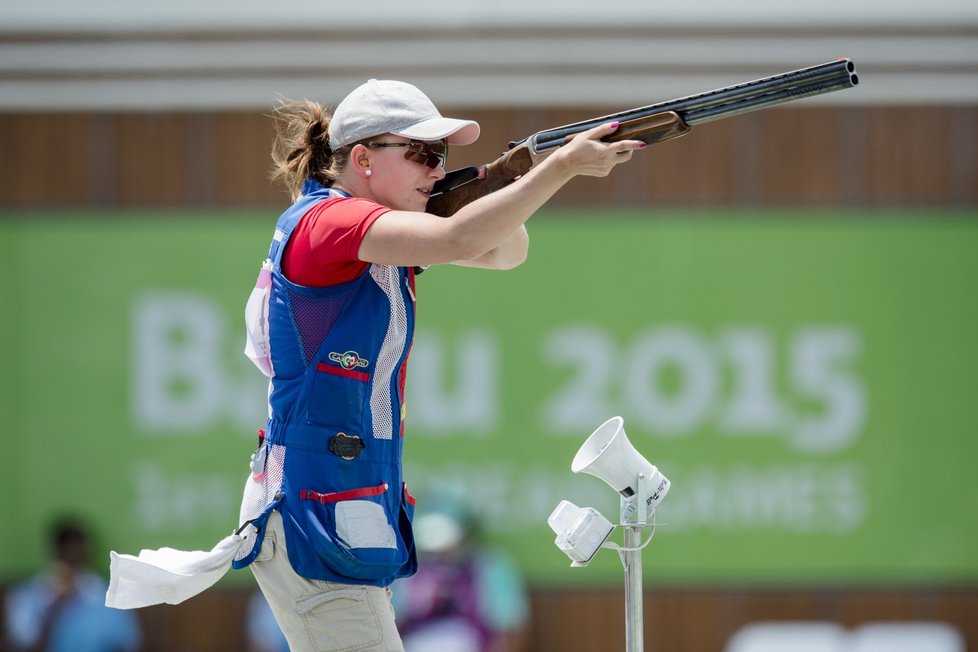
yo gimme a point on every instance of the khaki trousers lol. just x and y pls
(318, 616)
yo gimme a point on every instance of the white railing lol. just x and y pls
(110, 55)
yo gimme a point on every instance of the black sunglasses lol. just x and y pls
(429, 154)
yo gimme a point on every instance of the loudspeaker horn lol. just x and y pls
(609, 455)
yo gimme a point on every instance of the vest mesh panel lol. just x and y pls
(259, 493)
(314, 317)
(388, 279)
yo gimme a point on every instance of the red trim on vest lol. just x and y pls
(338, 496)
(340, 371)
(411, 500)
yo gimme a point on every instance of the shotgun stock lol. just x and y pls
(651, 124)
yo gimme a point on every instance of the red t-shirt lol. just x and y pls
(323, 248)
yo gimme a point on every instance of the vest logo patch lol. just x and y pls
(346, 446)
(349, 360)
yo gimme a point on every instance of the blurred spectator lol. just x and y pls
(62, 608)
(262, 633)
(466, 597)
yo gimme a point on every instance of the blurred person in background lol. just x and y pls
(331, 322)
(62, 608)
(466, 596)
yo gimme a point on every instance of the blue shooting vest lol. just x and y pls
(336, 407)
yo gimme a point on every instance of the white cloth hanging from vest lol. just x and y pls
(168, 575)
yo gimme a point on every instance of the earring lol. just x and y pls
(368, 172)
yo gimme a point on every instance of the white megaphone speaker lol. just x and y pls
(607, 454)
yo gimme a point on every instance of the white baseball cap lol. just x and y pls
(383, 106)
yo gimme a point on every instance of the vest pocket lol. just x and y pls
(351, 534)
(359, 523)
(337, 397)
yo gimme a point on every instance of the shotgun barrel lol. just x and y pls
(673, 118)
(721, 103)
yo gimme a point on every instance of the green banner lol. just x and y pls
(806, 381)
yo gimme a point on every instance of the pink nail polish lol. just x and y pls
(614, 124)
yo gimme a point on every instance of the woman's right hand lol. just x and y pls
(586, 154)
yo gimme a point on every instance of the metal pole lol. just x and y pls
(634, 630)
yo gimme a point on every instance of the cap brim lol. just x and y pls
(457, 132)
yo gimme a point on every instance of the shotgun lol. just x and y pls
(651, 124)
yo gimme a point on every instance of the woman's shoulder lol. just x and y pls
(341, 210)
(339, 202)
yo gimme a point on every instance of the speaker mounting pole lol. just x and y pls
(633, 518)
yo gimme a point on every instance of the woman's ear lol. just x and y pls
(361, 162)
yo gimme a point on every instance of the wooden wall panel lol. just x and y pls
(45, 159)
(751, 606)
(958, 606)
(683, 621)
(908, 155)
(582, 620)
(703, 620)
(154, 159)
(698, 168)
(592, 621)
(213, 621)
(800, 150)
(861, 606)
(242, 146)
(964, 155)
(878, 156)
